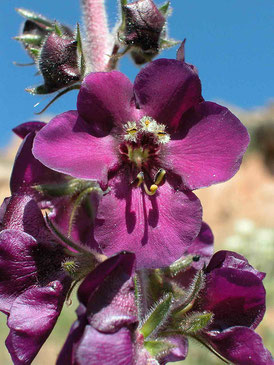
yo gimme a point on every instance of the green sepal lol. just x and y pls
(80, 50)
(58, 30)
(157, 316)
(164, 9)
(35, 17)
(38, 90)
(184, 305)
(29, 39)
(168, 43)
(34, 52)
(195, 322)
(178, 266)
(157, 348)
(71, 187)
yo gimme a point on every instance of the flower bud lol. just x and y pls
(143, 29)
(35, 30)
(58, 63)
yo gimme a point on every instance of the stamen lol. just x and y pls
(148, 124)
(152, 189)
(139, 179)
(162, 135)
(159, 176)
(131, 130)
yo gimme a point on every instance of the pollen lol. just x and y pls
(131, 131)
(161, 134)
(148, 124)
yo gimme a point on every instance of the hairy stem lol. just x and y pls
(97, 34)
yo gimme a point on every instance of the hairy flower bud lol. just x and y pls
(58, 63)
(143, 29)
(36, 29)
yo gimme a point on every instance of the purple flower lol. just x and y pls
(235, 294)
(107, 318)
(33, 285)
(150, 143)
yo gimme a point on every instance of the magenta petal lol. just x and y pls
(202, 246)
(32, 318)
(209, 147)
(28, 171)
(157, 229)
(232, 259)
(105, 348)
(25, 128)
(67, 353)
(236, 297)
(179, 352)
(105, 100)
(241, 346)
(165, 89)
(23, 214)
(17, 266)
(66, 145)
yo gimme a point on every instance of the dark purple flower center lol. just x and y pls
(141, 152)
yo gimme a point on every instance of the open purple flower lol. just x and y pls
(33, 285)
(150, 142)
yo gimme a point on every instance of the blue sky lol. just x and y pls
(230, 42)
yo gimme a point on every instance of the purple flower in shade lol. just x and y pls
(28, 173)
(234, 293)
(33, 285)
(150, 143)
(107, 318)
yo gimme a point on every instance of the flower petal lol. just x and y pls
(22, 130)
(17, 266)
(209, 147)
(32, 318)
(94, 279)
(108, 349)
(232, 259)
(67, 353)
(202, 246)
(179, 352)
(157, 229)
(105, 100)
(236, 297)
(28, 171)
(165, 89)
(23, 214)
(67, 145)
(241, 346)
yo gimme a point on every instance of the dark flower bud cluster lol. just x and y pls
(104, 197)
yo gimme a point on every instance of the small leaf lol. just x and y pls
(157, 348)
(165, 8)
(35, 17)
(57, 29)
(34, 52)
(32, 39)
(168, 43)
(80, 50)
(195, 322)
(157, 316)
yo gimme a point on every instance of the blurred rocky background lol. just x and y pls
(240, 213)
